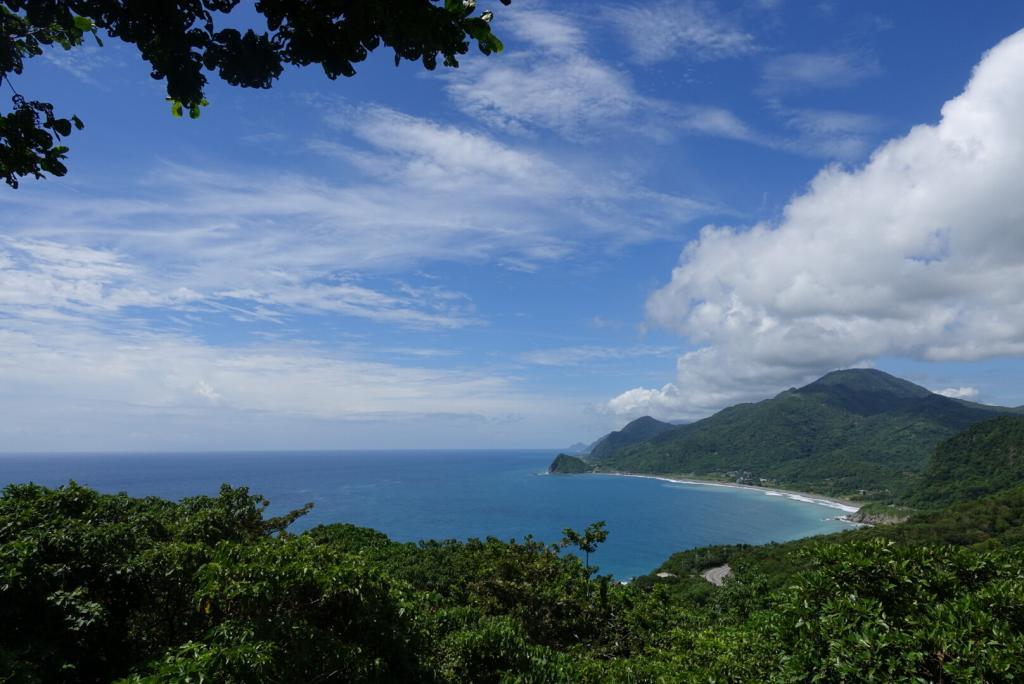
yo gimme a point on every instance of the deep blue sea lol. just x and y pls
(414, 495)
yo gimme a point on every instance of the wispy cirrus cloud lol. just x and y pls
(552, 83)
(657, 32)
(160, 390)
(122, 297)
(85, 62)
(571, 95)
(264, 244)
(572, 356)
(58, 281)
(558, 85)
(815, 70)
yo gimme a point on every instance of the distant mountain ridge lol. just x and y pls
(860, 432)
(639, 430)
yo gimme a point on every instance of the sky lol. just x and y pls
(639, 208)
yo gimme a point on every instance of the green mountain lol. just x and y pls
(857, 432)
(639, 430)
(985, 459)
(566, 464)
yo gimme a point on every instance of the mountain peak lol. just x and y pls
(643, 422)
(639, 430)
(865, 391)
(871, 380)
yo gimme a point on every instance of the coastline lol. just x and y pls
(845, 505)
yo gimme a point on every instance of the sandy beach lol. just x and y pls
(840, 504)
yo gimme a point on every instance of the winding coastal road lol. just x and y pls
(717, 575)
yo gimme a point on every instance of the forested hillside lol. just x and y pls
(984, 459)
(99, 588)
(639, 430)
(855, 432)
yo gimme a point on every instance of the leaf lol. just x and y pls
(62, 127)
(83, 23)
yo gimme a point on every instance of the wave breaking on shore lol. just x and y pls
(794, 496)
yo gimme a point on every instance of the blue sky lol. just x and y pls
(638, 208)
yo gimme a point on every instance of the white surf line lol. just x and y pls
(794, 496)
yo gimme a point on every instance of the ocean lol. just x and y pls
(413, 495)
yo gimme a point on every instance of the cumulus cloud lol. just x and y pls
(959, 392)
(918, 253)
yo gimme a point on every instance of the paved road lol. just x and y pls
(717, 575)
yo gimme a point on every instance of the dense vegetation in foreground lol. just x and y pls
(857, 432)
(99, 588)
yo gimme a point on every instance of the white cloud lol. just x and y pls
(83, 62)
(558, 85)
(163, 372)
(799, 71)
(427, 155)
(642, 401)
(418, 308)
(661, 31)
(543, 29)
(828, 133)
(430, 192)
(959, 392)
(568, 94)
(56, 281)
(571, 356)
(811, 132)
(918, 253)
(175, 392)
(40, 278)
(120, 309)
(206, 391)
(717, 122)
(552, 83)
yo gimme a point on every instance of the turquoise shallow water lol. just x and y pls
(414, 495)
